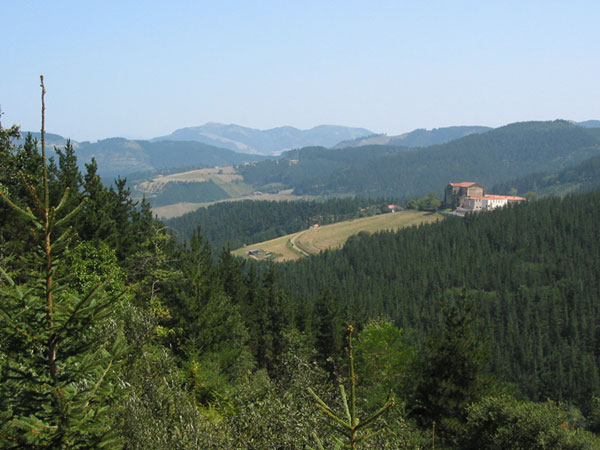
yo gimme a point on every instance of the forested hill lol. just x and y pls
(491, 158)
(234, 224)
(532, 271)
(416, 138)
(299, 166)
(583, 177)
(121, 157)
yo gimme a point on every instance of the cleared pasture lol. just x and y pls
(314, 240)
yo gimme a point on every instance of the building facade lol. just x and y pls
(455, 193)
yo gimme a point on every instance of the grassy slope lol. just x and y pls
(334, 236)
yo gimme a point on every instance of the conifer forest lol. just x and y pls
(480, 332)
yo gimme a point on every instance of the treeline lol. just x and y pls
(178, 191)
(234, 224)
(113, 335)
(531, 271)
(490, 158)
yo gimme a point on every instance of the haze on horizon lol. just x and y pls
(117, 69)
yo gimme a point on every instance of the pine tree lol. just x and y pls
(354, 431)
(452, 370)
(58, 350)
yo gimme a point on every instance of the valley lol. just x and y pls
(505, 299)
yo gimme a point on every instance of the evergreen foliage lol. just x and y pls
(114, 335)
(530, 269)
(583, 177)
(490, 158)
(354, 430)
(247, 222)
(504, 422)
(175, 192)
(60, 350)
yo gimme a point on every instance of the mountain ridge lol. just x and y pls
(266, 142)
(420, 137)
(499, 155)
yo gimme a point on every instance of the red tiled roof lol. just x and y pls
(497, 197)
(464, 184)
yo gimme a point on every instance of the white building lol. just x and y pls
(489, 202)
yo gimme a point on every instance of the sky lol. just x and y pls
(144, 69)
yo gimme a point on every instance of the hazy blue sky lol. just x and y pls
(142, 69)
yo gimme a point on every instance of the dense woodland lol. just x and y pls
(580, 178)
(234, 224)
(114, 335)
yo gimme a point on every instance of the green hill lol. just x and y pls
(531, 271)
(416, 138)
(580, 178)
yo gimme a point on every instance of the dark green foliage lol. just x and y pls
(451, 370)
(531, 270)
(431, 202)
(426, 138)
(247, 222)
(385, 363)
(207, 191)
(328, 331)
(59, 348)
(497, 423)
(489, 158)
(580, 178)
(349, 429)
(311, 166)
(198, 354)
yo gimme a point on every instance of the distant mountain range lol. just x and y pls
(490, 158)
(119, 156)
(217, 144)
(265, 142)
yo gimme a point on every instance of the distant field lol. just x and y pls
(312, 241)
(225, 177)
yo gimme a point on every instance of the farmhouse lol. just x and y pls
(469, 196)
(455, 193)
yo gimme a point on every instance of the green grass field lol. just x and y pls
(312, 241)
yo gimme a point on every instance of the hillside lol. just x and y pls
(265, 142)
(498, 309)
(531, 271)
(583, 177)
(316, 239)
(238, 223)
(119, 156)
(491, 158)
(417, 138)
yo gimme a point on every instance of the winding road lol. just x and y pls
(293, 242)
